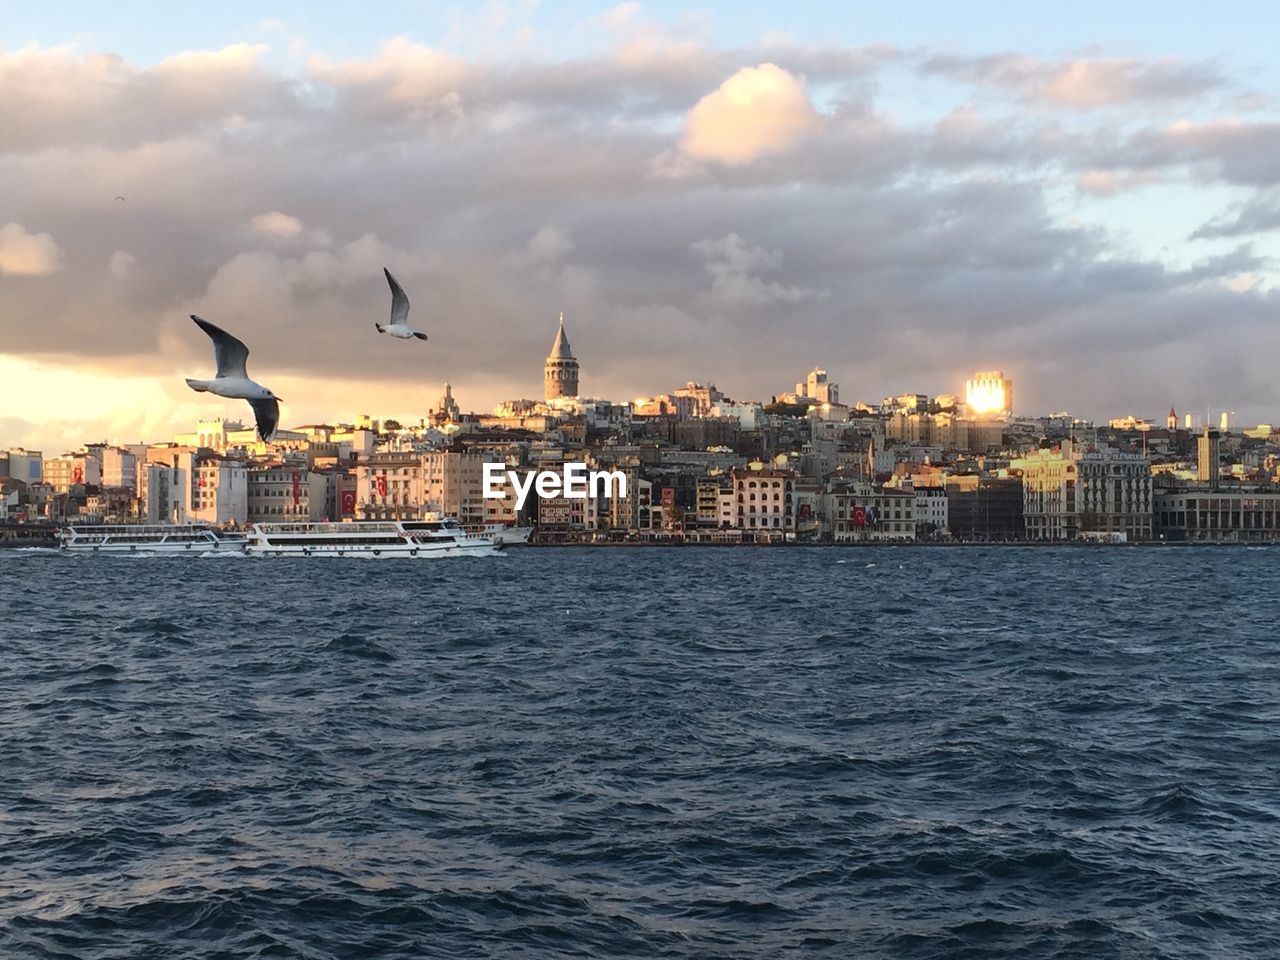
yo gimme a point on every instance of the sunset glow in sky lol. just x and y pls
(1087, 198)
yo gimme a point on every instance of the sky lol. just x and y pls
(1086, 197)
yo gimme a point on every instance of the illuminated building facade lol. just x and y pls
(989, 393)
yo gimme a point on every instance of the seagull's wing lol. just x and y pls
(399, 302)
(230, 353)
(267, 414)
(419, 335)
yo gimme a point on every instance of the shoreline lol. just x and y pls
(904, 543)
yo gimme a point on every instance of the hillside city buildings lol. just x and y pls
(807, 465)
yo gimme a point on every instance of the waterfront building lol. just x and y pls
(279, 493)
(764, 500)
(808, 509)
(1069, 490)
(861, 512)
(985, 508)
(1217, 515)
(560, 372)
(930, 510)
(389, 486)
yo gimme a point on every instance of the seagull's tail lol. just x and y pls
(201, 386)
(379, 327)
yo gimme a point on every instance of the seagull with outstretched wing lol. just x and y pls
(399, 325)
(232, 380)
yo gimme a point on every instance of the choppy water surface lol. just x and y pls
(643, 753)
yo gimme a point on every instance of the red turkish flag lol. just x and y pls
(348, 502)
(77, 475)
(382, 485)
(859, 516)
(297, 493)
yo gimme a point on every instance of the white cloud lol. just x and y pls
(25, 254)
(1109, 183)
(414, 78)
(758, 110)
(276, 224)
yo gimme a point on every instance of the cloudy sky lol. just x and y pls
(1086, 198)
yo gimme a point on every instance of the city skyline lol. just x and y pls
(210, 408)
(900, 204)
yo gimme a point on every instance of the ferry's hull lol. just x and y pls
(390, 551)
(147, 540)
(154, 549)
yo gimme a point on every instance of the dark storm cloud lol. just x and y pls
(900, 255)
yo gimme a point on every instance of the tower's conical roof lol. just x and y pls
(560, 350)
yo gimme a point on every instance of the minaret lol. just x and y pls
(1172, 422)
(560, 374)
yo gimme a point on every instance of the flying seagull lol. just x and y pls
(118, 197)
(399, 325)
(232, 381)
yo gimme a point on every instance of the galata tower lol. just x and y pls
(560, 375)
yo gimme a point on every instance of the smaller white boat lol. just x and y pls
(501, 533)
(147, 538)
(374, 539)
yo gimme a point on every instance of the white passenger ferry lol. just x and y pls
(148, 538)
(380, 539)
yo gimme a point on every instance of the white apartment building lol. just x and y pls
(218, 491)
(931, 509)
(763, 500)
